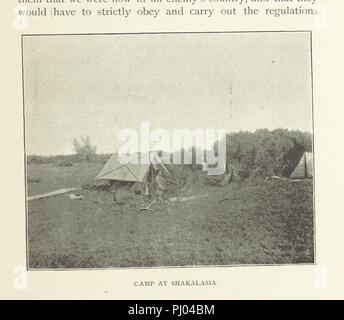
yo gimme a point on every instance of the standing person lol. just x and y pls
(159, 184)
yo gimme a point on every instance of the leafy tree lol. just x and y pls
(264, 153)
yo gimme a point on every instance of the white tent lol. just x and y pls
(304, 168)
(131, 168)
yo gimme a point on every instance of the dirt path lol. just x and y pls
(51, 194)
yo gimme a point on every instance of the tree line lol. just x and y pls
(252, 155)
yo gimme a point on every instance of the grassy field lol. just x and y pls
(265, 223)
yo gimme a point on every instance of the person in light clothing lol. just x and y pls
(159, 184)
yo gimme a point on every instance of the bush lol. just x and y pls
(65, 163)
(34, 160)
(84, 148)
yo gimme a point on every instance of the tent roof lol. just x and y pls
(124, 168)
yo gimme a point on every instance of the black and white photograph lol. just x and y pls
(165, 150)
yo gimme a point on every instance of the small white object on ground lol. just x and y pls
(74, 196)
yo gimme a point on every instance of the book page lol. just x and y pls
(163, 149)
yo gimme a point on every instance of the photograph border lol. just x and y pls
(310, 32)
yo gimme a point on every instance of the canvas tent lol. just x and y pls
(120, 169)
(304, 168)
(134, 168)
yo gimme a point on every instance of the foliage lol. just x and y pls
(265, 153)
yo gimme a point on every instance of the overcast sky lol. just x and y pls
(97, 85)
